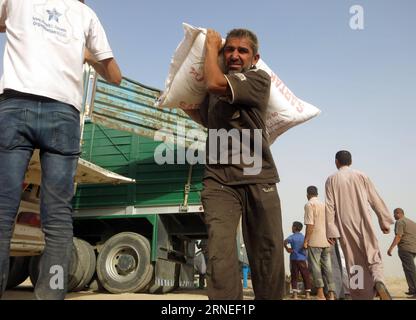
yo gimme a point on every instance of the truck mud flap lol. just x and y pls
(166, 277)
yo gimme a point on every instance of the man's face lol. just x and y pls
(397, 215)
(238, 55)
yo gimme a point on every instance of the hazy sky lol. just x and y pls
(362, 80)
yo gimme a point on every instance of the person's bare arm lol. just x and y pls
(395, 242)
(215, 80)
(289, 250)
(377, 204)
(108, 68)
(308, 235)
(2, 29)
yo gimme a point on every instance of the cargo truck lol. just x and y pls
(140, 236)
(143, 233)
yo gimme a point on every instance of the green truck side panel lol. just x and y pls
(121, 139)
(133, 156)
(130, 107)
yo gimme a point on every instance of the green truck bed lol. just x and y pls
(131, 155)
(119, 135)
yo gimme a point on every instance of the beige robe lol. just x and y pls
(349, 195)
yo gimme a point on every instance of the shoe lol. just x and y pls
(331, 295)
(382, 291)
(410, 293)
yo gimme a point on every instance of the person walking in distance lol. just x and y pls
(298, 258)
(405, 239)
(349, 193)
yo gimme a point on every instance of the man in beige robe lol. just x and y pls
(349, 193)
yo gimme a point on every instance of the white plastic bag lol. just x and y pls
(284, 109)
(185, 87)
(200, 263)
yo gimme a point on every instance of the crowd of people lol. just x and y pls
(345, 217)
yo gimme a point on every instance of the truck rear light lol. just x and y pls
(29, 218)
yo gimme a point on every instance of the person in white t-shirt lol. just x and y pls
(47, 43)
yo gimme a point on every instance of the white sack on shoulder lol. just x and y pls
(284, 109)
(185, 87)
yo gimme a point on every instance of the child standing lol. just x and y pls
(298, 260)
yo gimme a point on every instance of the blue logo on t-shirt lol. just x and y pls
(51, 18)
(53, 14)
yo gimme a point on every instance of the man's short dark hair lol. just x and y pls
(344, 157)
(298, 226)
(399, 210)
(312, 191)
(245, 33)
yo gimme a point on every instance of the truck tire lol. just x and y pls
(76, 265)
(18, 271)
(74, 276)
(82, 266)
(123, 264)
(34, 269)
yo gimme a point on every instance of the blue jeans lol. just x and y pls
(28, 123)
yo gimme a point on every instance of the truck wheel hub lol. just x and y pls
(125, 264)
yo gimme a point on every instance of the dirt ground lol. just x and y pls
(396, 286)
(25, 292)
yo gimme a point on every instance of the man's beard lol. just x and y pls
(243, 69)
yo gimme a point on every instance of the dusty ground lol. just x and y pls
(396, 286)
(25, 292)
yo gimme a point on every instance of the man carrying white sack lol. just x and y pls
(235, 112)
